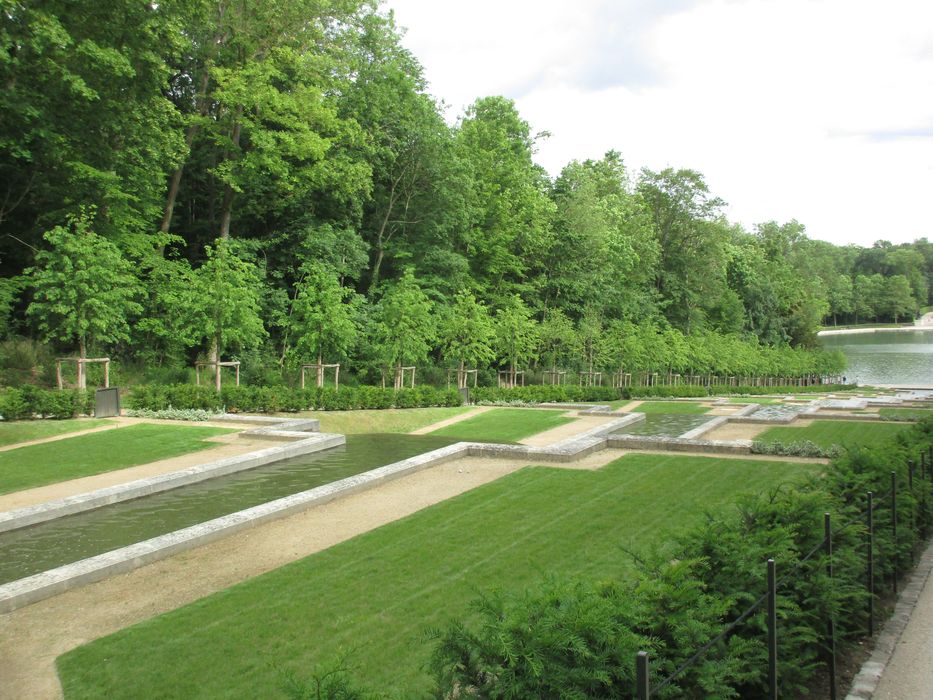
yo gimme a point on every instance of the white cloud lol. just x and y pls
(820, 110)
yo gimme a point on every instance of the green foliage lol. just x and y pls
(665, 392)
(798, 448)
(466, 332)
(272, 399)
(404, 327)
(516, 338)
(28, 402)
(544, 393)
(84, 290)
(325, 315)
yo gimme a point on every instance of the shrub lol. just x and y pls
(544, 393)
(665, 392)
(28, 402)
(802, 448)
(192, 414)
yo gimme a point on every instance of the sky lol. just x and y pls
(814, 110)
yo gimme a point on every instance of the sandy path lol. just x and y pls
(567, 430)
(736, 431)
(450, 421)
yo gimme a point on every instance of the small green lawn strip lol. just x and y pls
(505, 424)
(26, 430)
(754, 399)
(670, 407)
(84, 455)
(391, 420)
(906, 413)
(827, 433)
(374, 596)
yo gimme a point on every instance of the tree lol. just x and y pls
(84, 289)
(557, 337)
(404, 327)
(516, 335)
(897, 297)
(324, 316)
(224, 303)
(841, 296)
(467, 334)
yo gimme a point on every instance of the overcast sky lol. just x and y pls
(819, 110)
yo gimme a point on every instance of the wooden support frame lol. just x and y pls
(621, 379)
(463, 377)
(591, 378)
(400, 373)
(505, 378)
(208, 363)
(81, 362)
(554, 376)
(319, 370)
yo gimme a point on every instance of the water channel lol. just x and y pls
(666, 424)
(886, 357)
(47, 545)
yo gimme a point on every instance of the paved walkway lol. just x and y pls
(909, 673)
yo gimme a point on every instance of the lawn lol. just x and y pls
(826, 433)
(670, 407)
(906, 413)
(391, 420)
(374, 596)
(84, 455)
(754, 399)
(26, 430)
(504, 424)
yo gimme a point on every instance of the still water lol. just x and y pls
(886, 357)
(65, 540)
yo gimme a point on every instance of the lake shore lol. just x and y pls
(880, 329)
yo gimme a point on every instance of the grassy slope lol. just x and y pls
(375, 595)
(670, 407)
(26, 430)
(83, 455)
(504, 424)
(833, 432)
(906, 413)
(393, 420)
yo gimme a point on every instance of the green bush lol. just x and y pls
(275, 399)
(718, 389)
(665, 392)
(801, 448)
(28, 402)
(544, 393)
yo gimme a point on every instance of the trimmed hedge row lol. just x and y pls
(29, 402)
(545, 393)
(691, 391)
(274, 399)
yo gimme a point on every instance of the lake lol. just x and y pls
(886, 357)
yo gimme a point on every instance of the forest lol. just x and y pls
(273, 182)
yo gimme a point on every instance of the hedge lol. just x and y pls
(544, 393)
(693, 391)
(276, 399)
(30, 402)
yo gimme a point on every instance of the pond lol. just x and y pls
(666, 424)
(886, 357)
(72, 538)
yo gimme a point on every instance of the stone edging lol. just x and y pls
(31, 589)
(280, 429)
(866, 681)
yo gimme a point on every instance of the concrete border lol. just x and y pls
(301, 443)
(31, 589)
(866, 680)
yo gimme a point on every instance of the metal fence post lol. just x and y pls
(772, 632)
(830, 625)
(641, 676)
(871, 565)
(894, 525)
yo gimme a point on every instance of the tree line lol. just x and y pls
(273, 180)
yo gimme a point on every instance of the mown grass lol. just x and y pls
(827, 433)
(375, 595)
(754, 399)
(26, 430)
(669, 407)
(391, 420)
(504, 424)
(906, 413)
(84, 455)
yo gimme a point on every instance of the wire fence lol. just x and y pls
(645, 690)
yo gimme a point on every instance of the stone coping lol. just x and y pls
(301, 444)
(21, 592)
(680, 444)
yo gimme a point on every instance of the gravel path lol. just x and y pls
(909, 673)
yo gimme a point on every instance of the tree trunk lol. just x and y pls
(461, 375)
(82, 354)
(215, 358)
(320, 371)
(226, 210)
